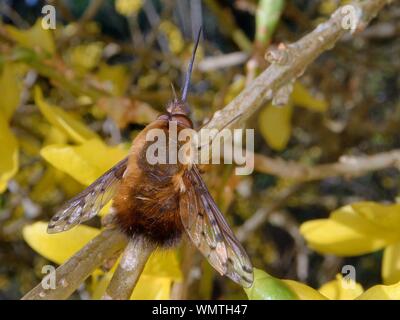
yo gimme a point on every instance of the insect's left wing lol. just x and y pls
(209, 231)
(90, 201)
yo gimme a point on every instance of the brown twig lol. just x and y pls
(262, 214)
(286, 221)
(222, 61)
(63, 9)
(349, 166)
(91, 10)
(180, 290)
(297, 56)
(71, 274)
(13, 15)
(129, 269)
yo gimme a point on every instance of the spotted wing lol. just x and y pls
(90, 201)
(209, 231)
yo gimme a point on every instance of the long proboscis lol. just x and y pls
(190, 67)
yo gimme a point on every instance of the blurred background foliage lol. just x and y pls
(72, 99)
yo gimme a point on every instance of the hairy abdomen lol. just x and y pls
(147, 201)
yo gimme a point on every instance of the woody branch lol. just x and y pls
(290, 62)
(129, 269)
(287, 65)
(347, 166)
(70, 275)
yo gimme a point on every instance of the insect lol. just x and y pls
(162, 201)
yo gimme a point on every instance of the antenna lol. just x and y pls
(190, 67)
(174, 92)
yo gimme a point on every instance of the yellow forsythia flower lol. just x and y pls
(128, 7)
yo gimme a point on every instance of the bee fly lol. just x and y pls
(161, 201)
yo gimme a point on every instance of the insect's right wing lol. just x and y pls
(90, 201)
(209, 231)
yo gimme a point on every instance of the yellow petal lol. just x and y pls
(85, 162)
(164, 264)
(55, 136)
(329, 236)
(34, 38)
(301, 97)
(303, 291)
(339, 289)
(354, 229)
(11, 84)
(100, 282)
(174, 36)
(155, 281)
(57, 247)
(152, 288)
(381, 292)
(85, 57)
(76, 130)
(147, 287)
(9, 154)
(115, 78)
(29, 144)
(391, 264)
(386, 216)
(275, 125)
(128, 7)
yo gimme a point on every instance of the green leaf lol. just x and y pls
(266, 287)
(267, 18)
